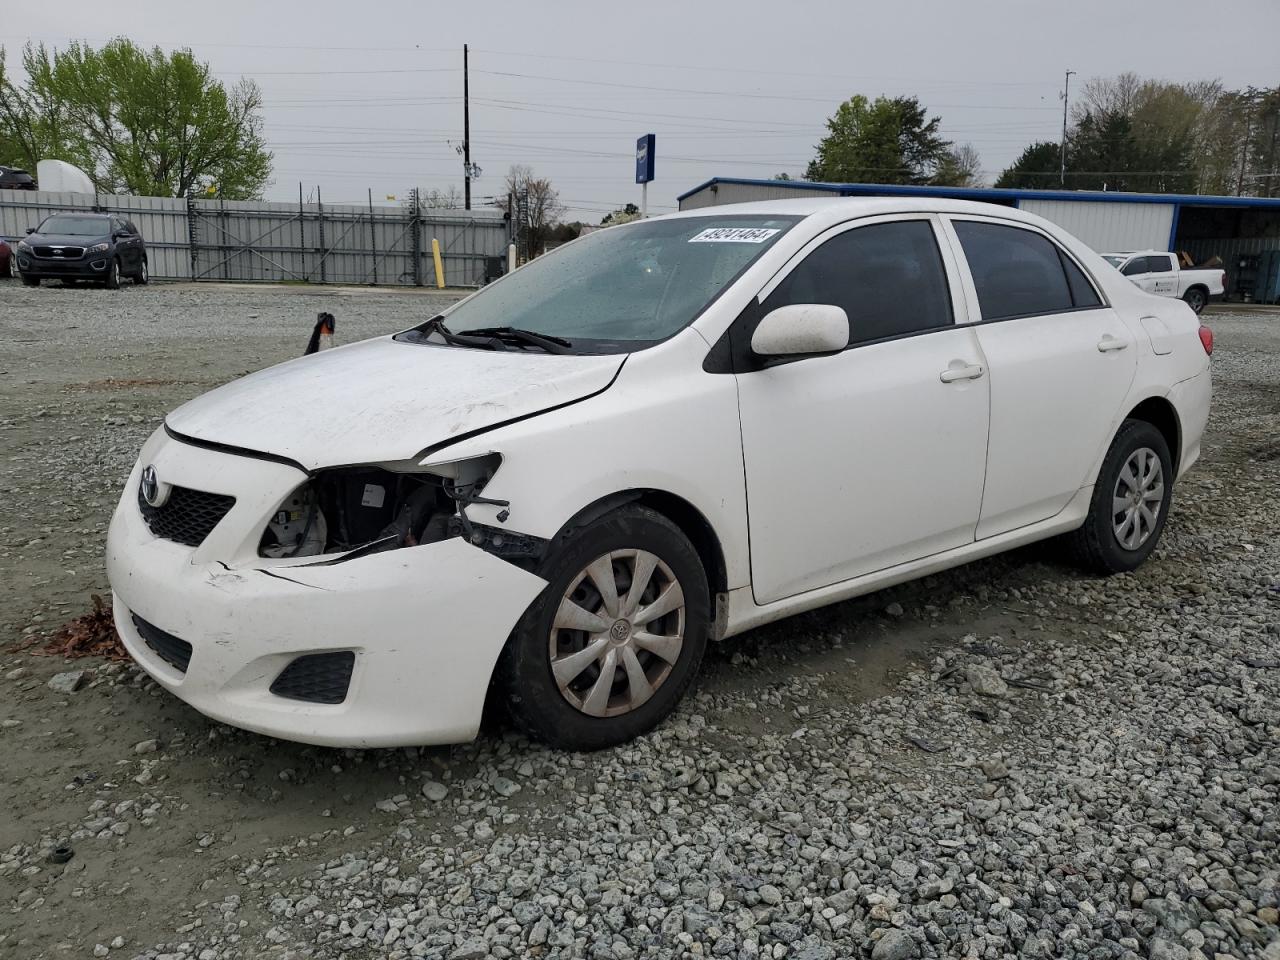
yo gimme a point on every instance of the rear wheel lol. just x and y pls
(113, 275)
(13, 268)
(1130, 501)
(1196, 298)
(614, 641)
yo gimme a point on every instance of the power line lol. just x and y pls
(209, 43)
(327, 73)
(769, 73)
(722, 93)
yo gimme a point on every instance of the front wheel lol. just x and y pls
(1130, 502)
(113, 275)
(616, 637)
(1196, 299)
(142, 278)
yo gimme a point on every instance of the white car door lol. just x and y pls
(873, 456)
(1061, 360)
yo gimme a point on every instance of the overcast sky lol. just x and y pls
(369, 95)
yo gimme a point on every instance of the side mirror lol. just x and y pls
(800, 328)
(31, 229)
(119, 235)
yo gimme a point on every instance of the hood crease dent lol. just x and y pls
(383, 400)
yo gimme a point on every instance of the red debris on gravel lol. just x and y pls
(90, 635)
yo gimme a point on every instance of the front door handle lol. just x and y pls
(1109, 343)
(959, 370)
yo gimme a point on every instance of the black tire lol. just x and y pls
(13, 267)
(113, 275)
(30, 281)
(1196, 298)
(533, 697)
(142, 277)
(1096, 545)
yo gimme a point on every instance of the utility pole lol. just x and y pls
(466, 128)
(1066, 94)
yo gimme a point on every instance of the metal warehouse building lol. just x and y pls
(1243, 231)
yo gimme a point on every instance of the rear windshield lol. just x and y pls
(626, 287)
(75, 226)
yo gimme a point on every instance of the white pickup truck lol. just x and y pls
(1158, 272)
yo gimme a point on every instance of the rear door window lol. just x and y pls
(1159, 264)
(1016, 272)
(888, 277)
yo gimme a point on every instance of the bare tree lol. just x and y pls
(1109, 96)
(960, 167)
(537, 207)
(449, 199)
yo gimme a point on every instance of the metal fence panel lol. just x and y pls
(247, 240)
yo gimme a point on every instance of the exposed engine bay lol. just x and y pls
(353, 511)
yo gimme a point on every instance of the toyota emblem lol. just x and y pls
(150, 486)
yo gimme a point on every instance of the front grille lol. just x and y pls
(187, 516)
(172, 650)
(316, 677)
(63, 253)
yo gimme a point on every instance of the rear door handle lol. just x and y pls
(959, 370)
(1109, 343)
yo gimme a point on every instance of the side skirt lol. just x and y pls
(745, 614)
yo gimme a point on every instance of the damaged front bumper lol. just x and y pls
(419, 629)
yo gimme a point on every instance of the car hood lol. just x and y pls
(383, 400)
(64, 239)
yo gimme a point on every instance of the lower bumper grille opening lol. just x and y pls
(316, 677)
(172, 650)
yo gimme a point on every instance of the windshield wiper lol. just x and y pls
(543, 341)
(436, 325)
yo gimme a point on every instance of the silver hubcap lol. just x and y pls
(1137, 499)
(617, 633)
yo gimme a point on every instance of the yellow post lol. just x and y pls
(435, 253)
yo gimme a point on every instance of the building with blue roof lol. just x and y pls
(1242, 232)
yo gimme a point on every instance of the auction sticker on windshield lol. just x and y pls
(733, 235)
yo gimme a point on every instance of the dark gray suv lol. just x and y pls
(83, 246)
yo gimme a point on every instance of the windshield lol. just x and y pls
(75, 226)
(1116, 260)
(623, 288)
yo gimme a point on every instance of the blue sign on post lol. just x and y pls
(644, 158)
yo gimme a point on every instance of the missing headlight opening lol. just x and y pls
(353, 511)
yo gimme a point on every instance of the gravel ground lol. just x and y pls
(1009, 759)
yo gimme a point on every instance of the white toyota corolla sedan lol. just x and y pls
(558, 492)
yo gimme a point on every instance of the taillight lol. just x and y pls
(1224, 281)
(1206, 339)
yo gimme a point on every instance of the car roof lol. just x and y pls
(836, 209)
